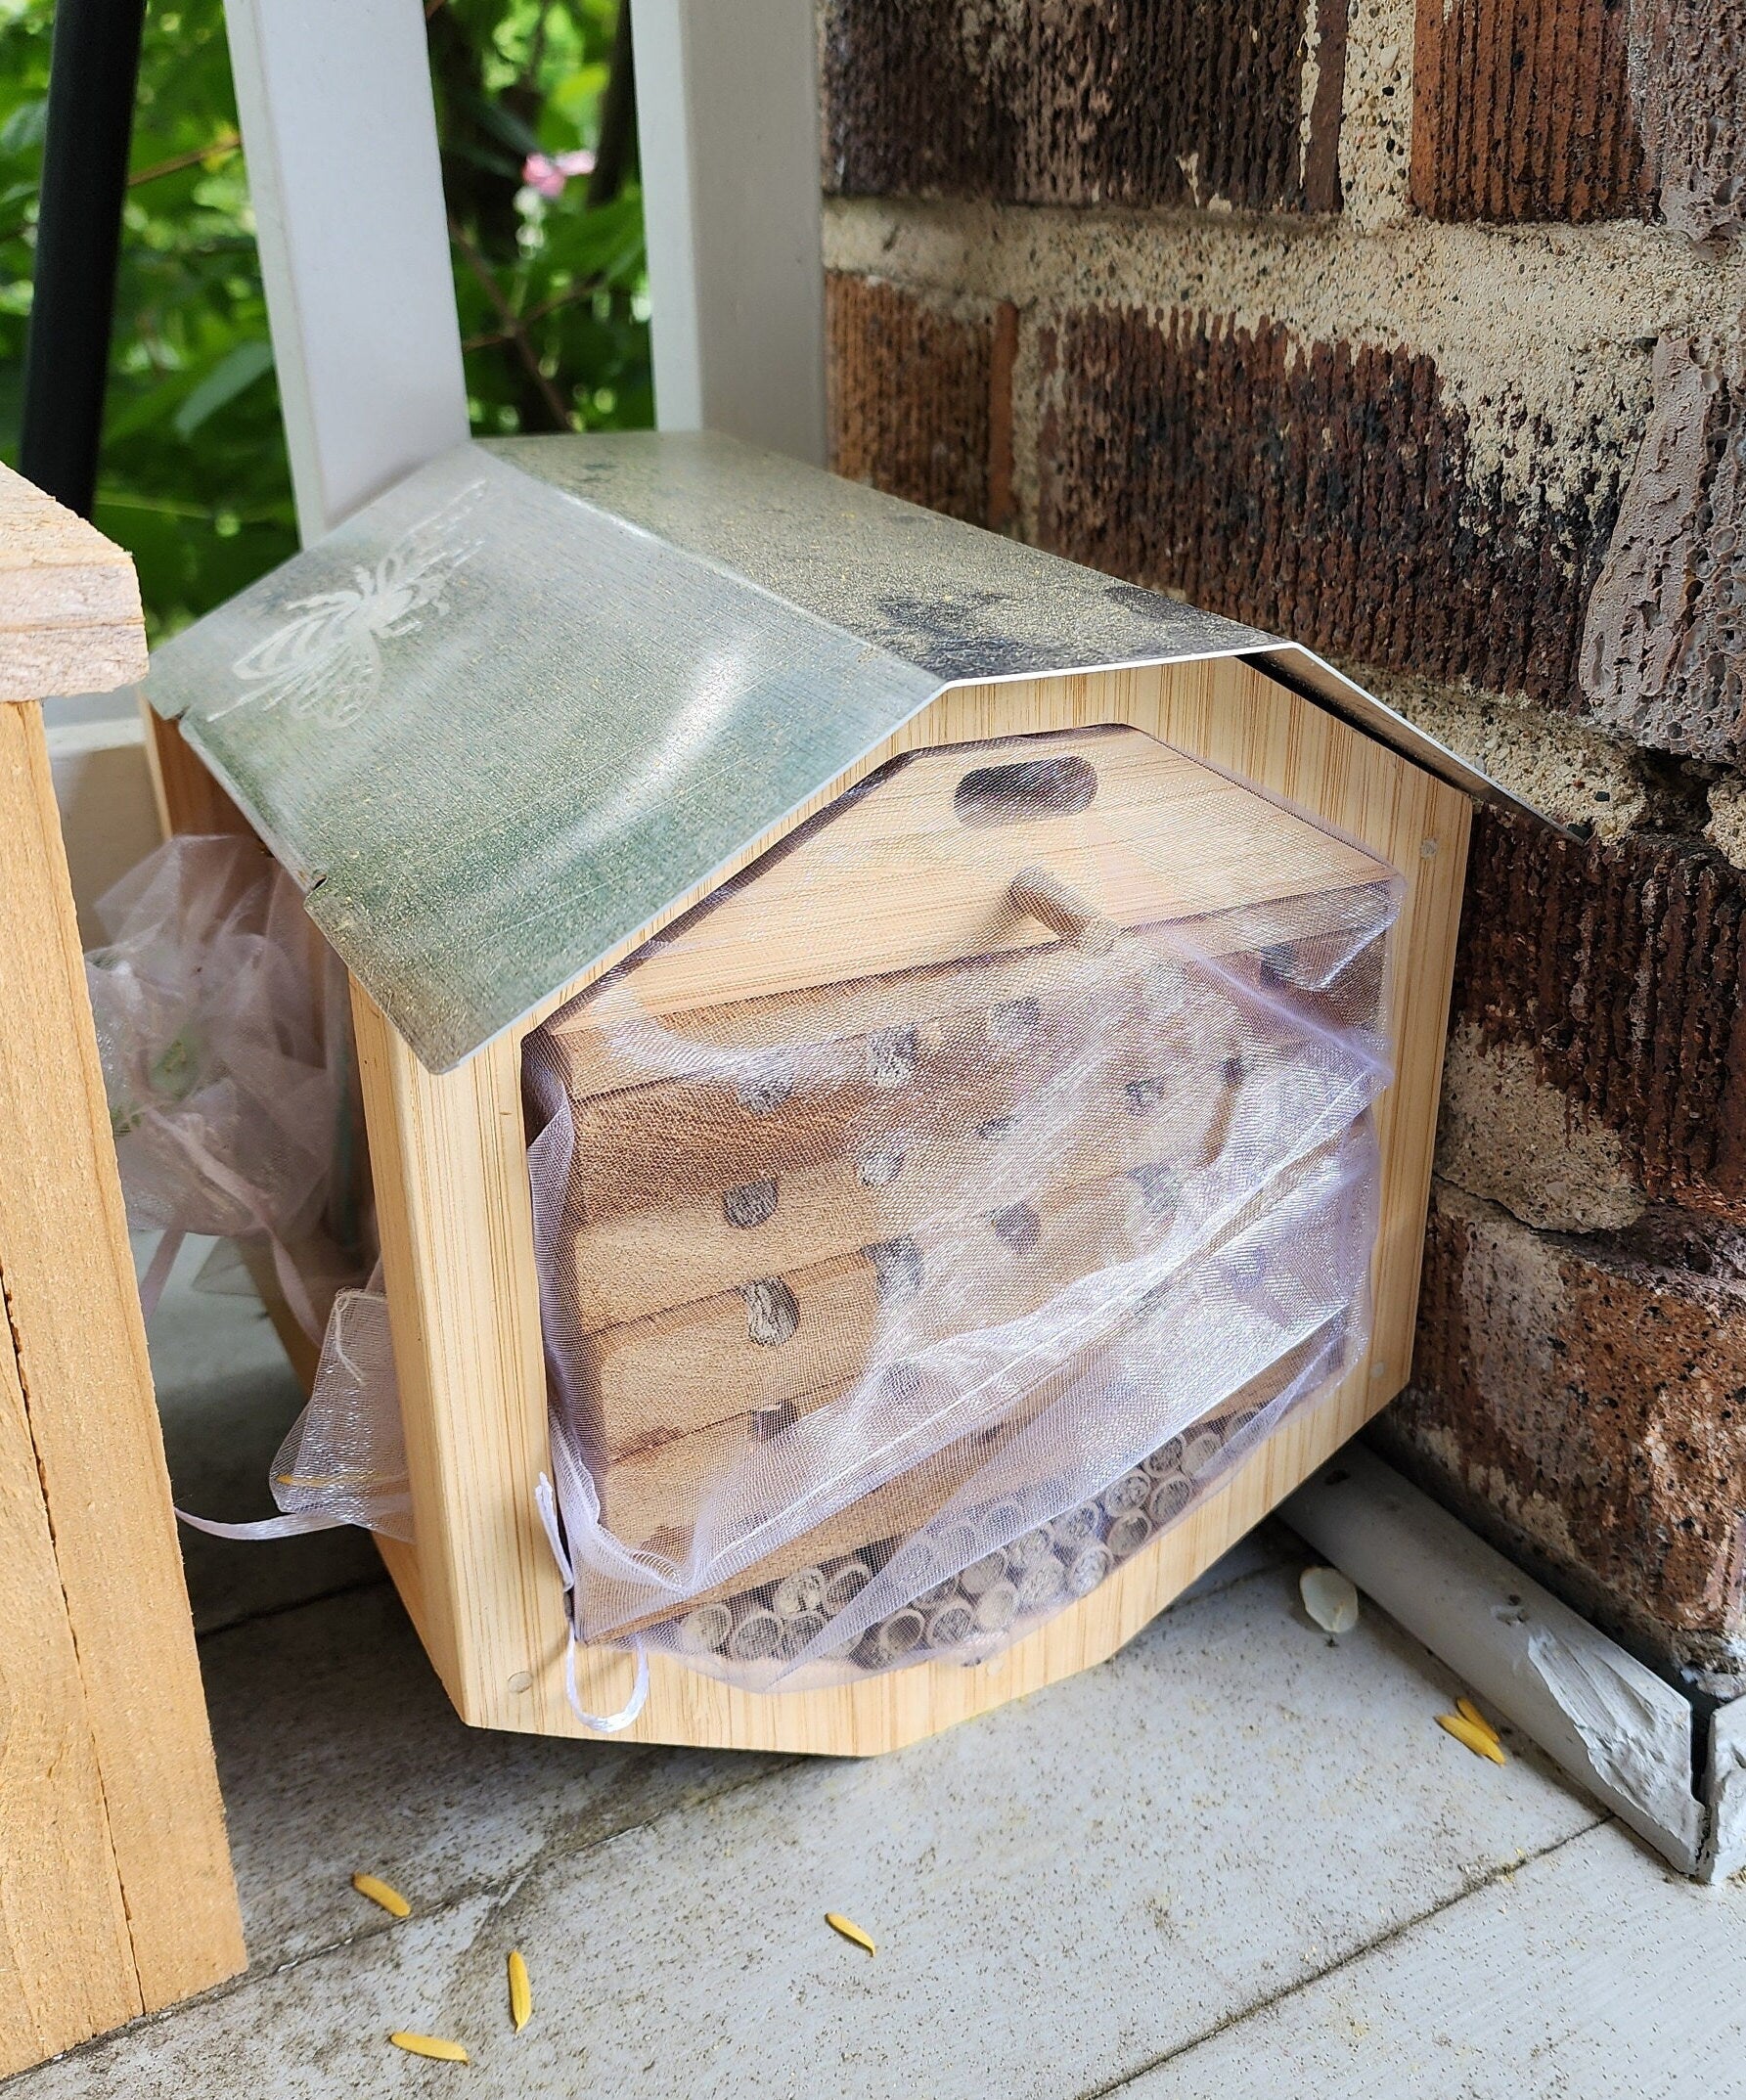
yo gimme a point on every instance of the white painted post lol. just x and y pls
(339, 133)
(727, 134)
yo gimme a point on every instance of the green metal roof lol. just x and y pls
(513, 710)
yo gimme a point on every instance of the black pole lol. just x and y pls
(93, 67)
(616, 153)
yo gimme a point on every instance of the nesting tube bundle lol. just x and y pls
(890, 1312)
(973, 1612)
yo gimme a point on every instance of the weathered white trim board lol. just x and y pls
(333, 98)
(1618, 1729)
(1724, 1789)
(727, 134)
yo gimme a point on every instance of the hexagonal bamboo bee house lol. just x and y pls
(793, 848)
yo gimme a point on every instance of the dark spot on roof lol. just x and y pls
(1149, 604)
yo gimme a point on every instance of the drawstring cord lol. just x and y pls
(546, 1501)
(287, 1525)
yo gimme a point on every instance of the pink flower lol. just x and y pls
(549, 173)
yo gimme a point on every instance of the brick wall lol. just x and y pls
(1414, 331)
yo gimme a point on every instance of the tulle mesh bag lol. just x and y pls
(224, 1033)
(891, 1314)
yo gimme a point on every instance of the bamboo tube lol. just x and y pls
(995, 1608)
(956, 1542)
(951, 1625)
(1088, 1566)
(802, 1591)
(1027, 1551)
(1041, 1583)
(1001, 1521)
(892, 1638)
(844, 1581)
(982, 1574)
(706, 1630)
(757, 1635)
(1076, 1528)
(1128, 1492)
(1200, 1451)
(1129, 1532)
(1169, 1499)
(798, 1632)
(1167, 1458)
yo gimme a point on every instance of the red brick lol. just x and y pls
(1582, 109)
(1585, 1404)
(1522, 110)
(1664, 649)
(1689, 64)
(1326, 491)
(1623, 968)
(1083, 102)
(913, 407)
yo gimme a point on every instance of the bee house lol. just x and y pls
(899, 1074)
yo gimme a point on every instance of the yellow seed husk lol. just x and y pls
(436, 2045)
(379, 1892)
(1469, 1712)
(520, 1992)
(1482, 1744)
(849, 1930)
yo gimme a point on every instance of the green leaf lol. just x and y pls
(236, 369)
(23, 130)
(195, 481)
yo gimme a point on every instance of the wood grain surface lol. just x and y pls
(116, 1890)
(70, 603)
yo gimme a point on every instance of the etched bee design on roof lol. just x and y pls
(327, 658)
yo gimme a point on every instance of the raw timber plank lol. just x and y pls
(605, 1039)
(647, 1261)
(70, 603)
(730, 1356)
(87, 1394)
(67, 1968)
(890, 1512)
(703, 1135)
(904, 874)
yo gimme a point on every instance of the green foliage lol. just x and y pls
(553, 296)
(551, 293)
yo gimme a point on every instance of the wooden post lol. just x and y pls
(116, 1890)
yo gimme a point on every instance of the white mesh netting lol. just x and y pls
(224, 1033)
(887, 1315)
